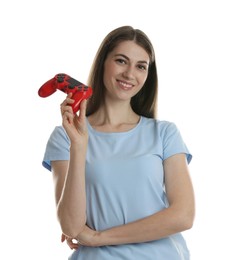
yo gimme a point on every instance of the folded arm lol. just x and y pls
(176, 218)
(69, 176)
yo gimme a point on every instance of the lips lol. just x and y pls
(125, 85)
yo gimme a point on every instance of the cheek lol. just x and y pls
(110, 69)
(142, 80)
(107, 71)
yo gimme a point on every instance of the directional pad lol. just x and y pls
(60, 78)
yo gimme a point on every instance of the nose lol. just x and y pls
(128, 72)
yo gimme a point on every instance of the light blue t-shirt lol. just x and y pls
(124, 183)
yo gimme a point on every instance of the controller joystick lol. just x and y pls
(67, 85)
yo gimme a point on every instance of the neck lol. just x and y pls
(114, 115)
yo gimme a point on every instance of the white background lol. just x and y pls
(41, 38)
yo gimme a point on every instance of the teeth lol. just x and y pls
(125, 84)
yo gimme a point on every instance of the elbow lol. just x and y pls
(184, 216)
(187, 224)
(183, 219)
(187, 220)
(71, 231)
(71, 225)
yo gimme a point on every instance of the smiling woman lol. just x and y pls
(126, 72)
(144, 102)
(121, 176)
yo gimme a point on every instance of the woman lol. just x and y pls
(121, 177)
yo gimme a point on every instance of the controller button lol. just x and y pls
(71, 86)
(60, 78)
(73, 83)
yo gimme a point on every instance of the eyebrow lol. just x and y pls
(141, 61)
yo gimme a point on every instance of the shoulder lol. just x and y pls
(163, 131)
(57, 147)
(58, 132)
(160, 126)
(58, 137)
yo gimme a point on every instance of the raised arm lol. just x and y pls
(69, 176)
(177, 217)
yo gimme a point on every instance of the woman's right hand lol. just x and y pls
(72, 244)
(75, 125)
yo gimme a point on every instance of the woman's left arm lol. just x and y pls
(179, 216)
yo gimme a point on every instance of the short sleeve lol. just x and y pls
(57, 148)
(173, 143)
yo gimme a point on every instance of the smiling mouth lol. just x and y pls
(125, 85)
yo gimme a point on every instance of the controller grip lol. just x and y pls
(48, 88)
(78, 97)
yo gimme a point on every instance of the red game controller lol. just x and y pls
(66, 84)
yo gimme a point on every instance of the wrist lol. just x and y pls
(78, 147)
(102, 239)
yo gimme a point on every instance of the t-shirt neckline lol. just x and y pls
(91, 129)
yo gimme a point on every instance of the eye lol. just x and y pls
(121, 61)
(142, 67)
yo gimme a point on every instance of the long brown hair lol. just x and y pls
(144, 103)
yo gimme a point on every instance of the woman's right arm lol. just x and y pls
(71, 207)
(69, 176)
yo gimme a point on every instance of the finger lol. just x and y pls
(83, 107)
(66, 102)
(72, 244)
(69, 94)
(74, 247)
(63, 237)
(66, 109)
(68, 118)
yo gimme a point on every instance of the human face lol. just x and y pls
(125, 70)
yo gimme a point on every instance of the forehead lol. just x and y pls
(132, 50)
